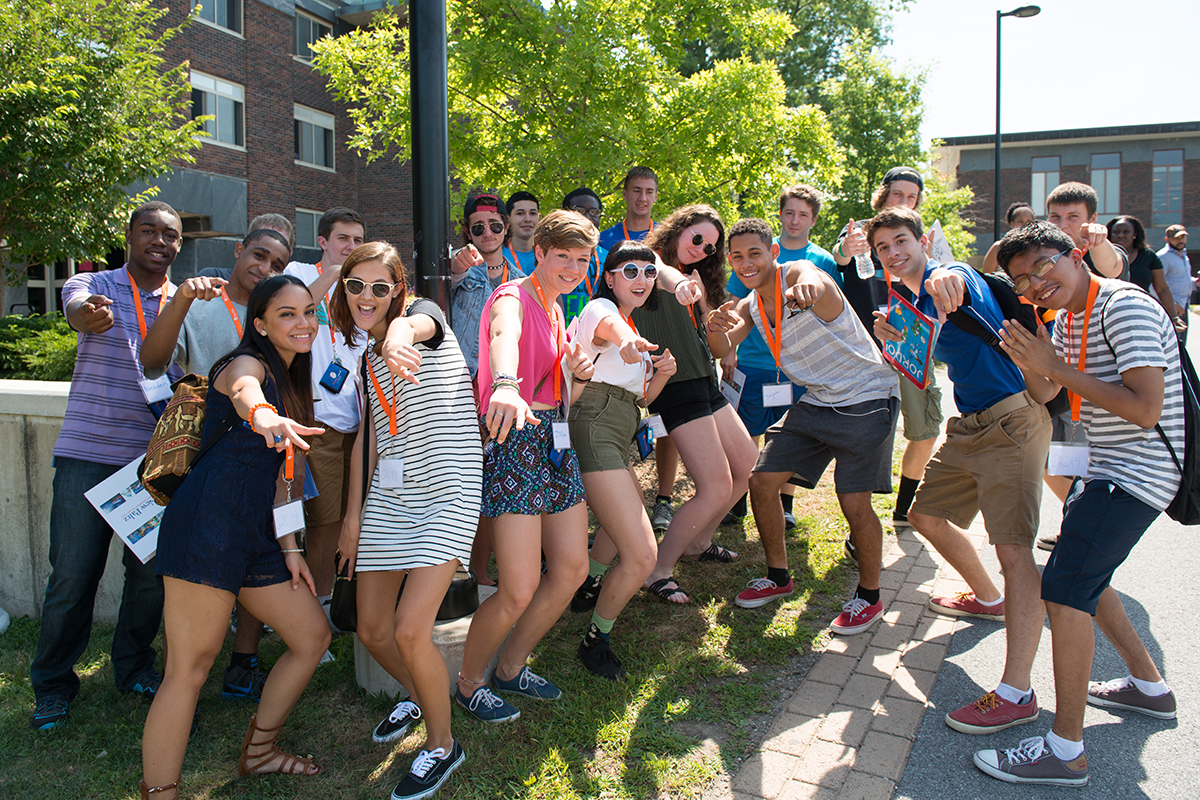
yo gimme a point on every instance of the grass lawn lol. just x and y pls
(705, 680)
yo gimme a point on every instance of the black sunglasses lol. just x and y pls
(355, 287)
(497, 228)
(698, 240)
(590, 213)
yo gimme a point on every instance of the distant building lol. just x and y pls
(1151, 172)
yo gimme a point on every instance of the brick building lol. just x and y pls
(1151, 172)
(278, 143)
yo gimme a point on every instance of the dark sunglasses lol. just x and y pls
(632, 270)
(698, 240)
(355, 287)
(497, 228)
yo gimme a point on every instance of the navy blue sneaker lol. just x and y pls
(50, 713)
(397, 723)
(486, 707)
(240, 683)
(528, 684)
(146, 686)
(429, 771)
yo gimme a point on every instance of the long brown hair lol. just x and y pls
(664, 240)
(339, 307)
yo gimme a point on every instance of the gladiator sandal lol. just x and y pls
(149, 790)
(249, 764)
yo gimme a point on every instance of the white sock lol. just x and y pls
(1013, 695)
(992, 604)
(1151, 688)
(1064, 749)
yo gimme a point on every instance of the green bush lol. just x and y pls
(37, 348)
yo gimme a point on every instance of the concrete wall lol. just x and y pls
(31, 414)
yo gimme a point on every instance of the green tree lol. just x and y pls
(574, 93)
(87, 107)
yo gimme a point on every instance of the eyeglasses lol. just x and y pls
(631, 270)
(698, 240)
(497, 228)
(590, 213)
(355, 287)
(1021, 284)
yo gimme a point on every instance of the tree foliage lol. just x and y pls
(553, 96)
(87, 107)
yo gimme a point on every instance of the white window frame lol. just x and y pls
(1161, 219)
(1107, 183)
(317, 119)
(212, 4)
(316, 223)
(312, 19)
(219, 87)
(1041, 183)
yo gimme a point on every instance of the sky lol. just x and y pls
(1134, 57)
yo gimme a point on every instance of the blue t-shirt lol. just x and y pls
(753, 351)
(616, 233)
(573, 302)
(811, 252)
(524, 260)
(980, 375)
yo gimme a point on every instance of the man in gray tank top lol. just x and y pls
(848, 413)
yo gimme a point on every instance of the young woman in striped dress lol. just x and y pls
(425, 464)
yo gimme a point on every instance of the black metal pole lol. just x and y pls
(996, 185)
(430, 149)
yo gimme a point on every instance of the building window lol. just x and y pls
(314, 137)
(224, 101)
(308, 30)
(306, 227)
(1045, 178)
(222, 13)
(1168, 187)
(1106, 180)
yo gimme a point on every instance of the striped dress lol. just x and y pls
(431, 518)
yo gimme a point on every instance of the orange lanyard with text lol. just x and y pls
(1093, 289)
(389, 408)
(552, 313)
(137, 302)
(237, 323)
(774, 337)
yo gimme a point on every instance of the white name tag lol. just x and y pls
(156, 389)
(289, 518)
(391, 473)
(656, 425)
(562, 435)
(777, 394)
(1068, 459)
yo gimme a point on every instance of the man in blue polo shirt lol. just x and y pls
(991, 463)
(640, 192)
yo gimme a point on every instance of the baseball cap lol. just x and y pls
(484, 202)
(517, 197)
(904, 174)
(1175, 230)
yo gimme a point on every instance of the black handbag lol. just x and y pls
(343, 606)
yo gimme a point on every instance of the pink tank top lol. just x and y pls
(536, 350)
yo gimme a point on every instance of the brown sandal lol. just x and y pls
(286, 766)
(149, 790)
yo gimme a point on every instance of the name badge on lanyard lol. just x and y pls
(391, 473)
(1072, 456)
(289, 515)
(777, 394)
(156, 390)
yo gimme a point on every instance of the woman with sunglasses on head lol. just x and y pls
(691, 240)
(603, 421)
(217, 541)
(423, 469)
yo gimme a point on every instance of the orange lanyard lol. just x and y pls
(289, 464)
(515, 261)
(588, 281)
(552, 315)
(625, 230)
(389, 408)
(774, 337)
(237, 323)
(329, 323)
(137, 302)
(1093, 289)
(646, 367)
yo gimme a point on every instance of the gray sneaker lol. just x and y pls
(1123, 693)
(660, 518)
(1032, 761)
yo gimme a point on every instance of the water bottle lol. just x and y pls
(864, 266)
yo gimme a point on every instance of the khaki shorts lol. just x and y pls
(329, 462)
(991, 463)
(921, 410)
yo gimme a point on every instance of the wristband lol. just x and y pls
(256, 407)
(297, 550)
(841, 252)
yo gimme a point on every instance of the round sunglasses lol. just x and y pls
(355, 287)
(631, 270)
(698, 240)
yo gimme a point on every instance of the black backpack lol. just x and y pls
(1185, 507)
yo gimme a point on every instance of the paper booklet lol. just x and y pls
(913, 356)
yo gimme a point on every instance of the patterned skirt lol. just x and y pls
(520, 478)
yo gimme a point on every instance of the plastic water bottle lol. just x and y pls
(3, 620)
(864, 266)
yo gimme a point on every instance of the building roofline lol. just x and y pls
(1075, 133)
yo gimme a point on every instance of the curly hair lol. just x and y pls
(664, 240)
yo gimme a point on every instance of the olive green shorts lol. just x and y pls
(603, 422)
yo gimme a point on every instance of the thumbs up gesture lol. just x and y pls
(578, 362)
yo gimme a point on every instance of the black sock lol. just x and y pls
(904, 497)
(739, 508)
(779, 577)
(662, 498)
(787, 502)
(870, 595)
(243, 660)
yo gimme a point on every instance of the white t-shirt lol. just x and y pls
(610, 367)
(339, 411)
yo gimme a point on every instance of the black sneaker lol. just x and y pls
(50, 713)
(850, 550)
(599, 660)
(731, 518)
(396, 724)
(146, 686)
(429, 771)
(241, 683)
(586, 595)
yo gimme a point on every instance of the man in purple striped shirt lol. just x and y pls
(108, 424)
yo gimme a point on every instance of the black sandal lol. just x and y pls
(661, 588)
(717, 553)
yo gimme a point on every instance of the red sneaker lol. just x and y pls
(857, 616)
(762, 591)
(992, 713)
(965, 604)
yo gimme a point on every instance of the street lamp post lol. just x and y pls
(1023, 11)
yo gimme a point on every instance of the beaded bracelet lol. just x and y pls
(256, 407)
(506, 384)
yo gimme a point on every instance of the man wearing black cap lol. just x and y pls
(524, 211)
(921, 408)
